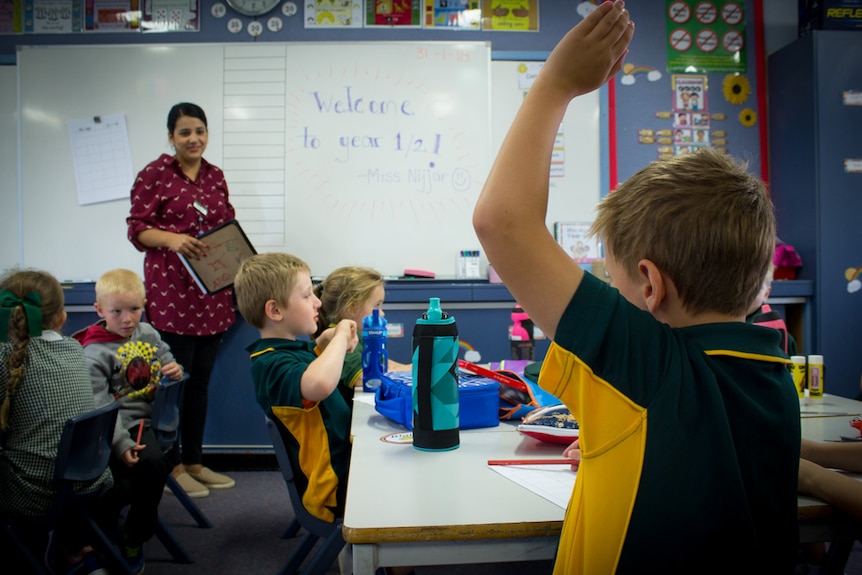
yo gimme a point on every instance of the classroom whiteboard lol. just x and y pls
(362, 153)
(8, 169)
(575, 176)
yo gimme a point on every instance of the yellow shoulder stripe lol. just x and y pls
(261, 352)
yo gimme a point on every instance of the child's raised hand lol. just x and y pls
(591, 52)
(346, 328)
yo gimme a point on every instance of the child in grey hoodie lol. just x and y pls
(127, 359)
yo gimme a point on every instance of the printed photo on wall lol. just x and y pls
(689, 93)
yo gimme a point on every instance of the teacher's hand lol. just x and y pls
(188, 246)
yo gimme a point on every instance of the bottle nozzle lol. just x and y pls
(434, 312)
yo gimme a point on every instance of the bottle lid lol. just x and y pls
(374, 324)
(435, 314)
(815, 359)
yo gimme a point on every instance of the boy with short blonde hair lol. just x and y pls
(127, 359)
(689, 421)
(294, 379)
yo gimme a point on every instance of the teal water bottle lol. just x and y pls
(435, 381)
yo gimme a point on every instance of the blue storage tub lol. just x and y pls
(479, 399)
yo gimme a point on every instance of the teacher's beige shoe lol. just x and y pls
(209, 478)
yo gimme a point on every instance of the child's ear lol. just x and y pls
(59, 320)
(99, 311)
(272, 310)
(654, 288)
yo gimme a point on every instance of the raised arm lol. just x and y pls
(509, 217)
(321, 377)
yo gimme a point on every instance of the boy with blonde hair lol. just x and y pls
(689, 420)
(294, 379)
(127, 358)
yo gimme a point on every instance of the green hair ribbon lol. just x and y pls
(32, 309)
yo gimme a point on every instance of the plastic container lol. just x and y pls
(798, 367)
(478, 397)
(436, 405)
(375, 358)
(522, 342)
(815, 376)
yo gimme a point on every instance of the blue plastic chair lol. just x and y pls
(82, 456)
(165, 423)
(330, 533)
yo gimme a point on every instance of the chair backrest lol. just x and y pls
(311, 523)
(85, 446)
(165, 420)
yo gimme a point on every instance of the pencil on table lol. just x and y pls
(530, 461)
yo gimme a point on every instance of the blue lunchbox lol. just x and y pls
(479, 399)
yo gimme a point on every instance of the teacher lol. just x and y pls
(174, 200)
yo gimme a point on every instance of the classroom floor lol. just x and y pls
(250, 518)
(246, 537)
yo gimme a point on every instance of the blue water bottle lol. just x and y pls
(435, 381)
(375, 358)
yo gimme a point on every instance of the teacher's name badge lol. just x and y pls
(202, 209)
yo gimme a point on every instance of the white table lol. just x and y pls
(410, 507)
(829, 406)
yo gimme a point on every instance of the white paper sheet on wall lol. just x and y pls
(102, 158)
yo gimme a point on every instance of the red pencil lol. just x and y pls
(140, 431)
(530, 462)
(495, 375)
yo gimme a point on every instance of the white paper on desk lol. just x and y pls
(553, 482)
(366, 398)
(102, 158)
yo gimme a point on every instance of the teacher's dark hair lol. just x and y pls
(185, 109)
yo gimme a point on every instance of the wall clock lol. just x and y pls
(253, 7)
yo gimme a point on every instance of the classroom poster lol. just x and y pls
(575, 239)
(453, 14)
(52, 16)
(511, 15)
(171, 16)
(690, 113)
(112, 15)
(333, 14)
(397, 13)
(11, 16)
(705, 36)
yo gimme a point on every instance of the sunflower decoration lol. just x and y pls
(141, 369)
(736, 88)
(747, 117)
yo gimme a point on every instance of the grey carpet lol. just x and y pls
(248, 521)
(246, 537)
